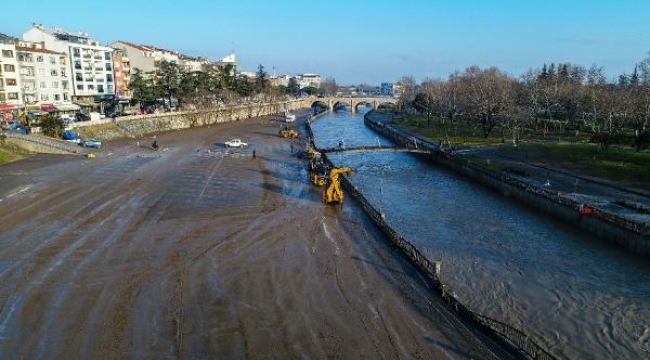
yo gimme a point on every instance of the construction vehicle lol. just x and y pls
(311, 153)
(318, 171)
(286, 132)
(332, 193)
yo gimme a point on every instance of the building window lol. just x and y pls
(64, 84)
(3, 97)
(45, 97)
(55, 84)
(12, 96)
(63, 72)
(80, 87)
(91, 87)
(41, 72)
(39, 58)
(76, 52)
(107, 55)
(77, 64)
(12, 82)
(109, 77)
(65, 97)
(9, 68)
(57, 97)
(43, 85)
(78, 77)
(7, 53)
(54, 73)
(52, 60)
(109, 89)
(108, 67)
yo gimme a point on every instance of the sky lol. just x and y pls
(362, 41)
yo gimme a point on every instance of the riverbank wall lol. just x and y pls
(138, 126)
(632, 235)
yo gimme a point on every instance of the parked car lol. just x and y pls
(81, 117)
(91, 143)
(236, 143)
(68, 135)
(10, 125)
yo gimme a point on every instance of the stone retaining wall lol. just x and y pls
(137, 126)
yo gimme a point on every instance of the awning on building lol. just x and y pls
(47, 106)
(6, 107)
(37, 112)
(67, 107)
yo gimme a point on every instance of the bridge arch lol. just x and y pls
(332, 103)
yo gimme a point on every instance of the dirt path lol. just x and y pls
(192, 252)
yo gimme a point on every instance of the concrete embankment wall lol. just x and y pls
(141, 125)
(632, 235)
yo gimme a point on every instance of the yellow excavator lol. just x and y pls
(286, 132)
(332, 193)
(318, 171)
(311, 153)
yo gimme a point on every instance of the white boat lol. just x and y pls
(289, 117)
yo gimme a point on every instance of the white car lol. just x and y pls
(236, 143)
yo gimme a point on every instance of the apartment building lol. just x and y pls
(144, 57)
(122, 75)
(10, 85)
(91, 64)
(44, 74)
(307, 80)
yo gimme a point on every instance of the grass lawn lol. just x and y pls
(572, 153)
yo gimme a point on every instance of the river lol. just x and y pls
(577, 296)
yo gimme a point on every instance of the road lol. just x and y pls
(196, 252)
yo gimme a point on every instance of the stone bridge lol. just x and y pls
(353, 102)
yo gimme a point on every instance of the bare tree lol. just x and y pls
(408, 93)
(329, 86)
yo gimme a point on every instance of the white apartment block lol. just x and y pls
(146, 57)
(193, 64)
(10, 85)
(306, 80)
(91, 68)
(44, 74)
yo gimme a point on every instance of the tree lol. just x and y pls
(52, 125)
(329, 86)
(261, 79)
(168, 79)
(142, 88)
(198, 89)
(422, 103)
(408, 92)
(293, 88)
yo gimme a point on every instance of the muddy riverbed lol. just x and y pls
(195, 252)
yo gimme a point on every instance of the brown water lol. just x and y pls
(576, 295)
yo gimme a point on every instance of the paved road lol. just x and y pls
(195, 252)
